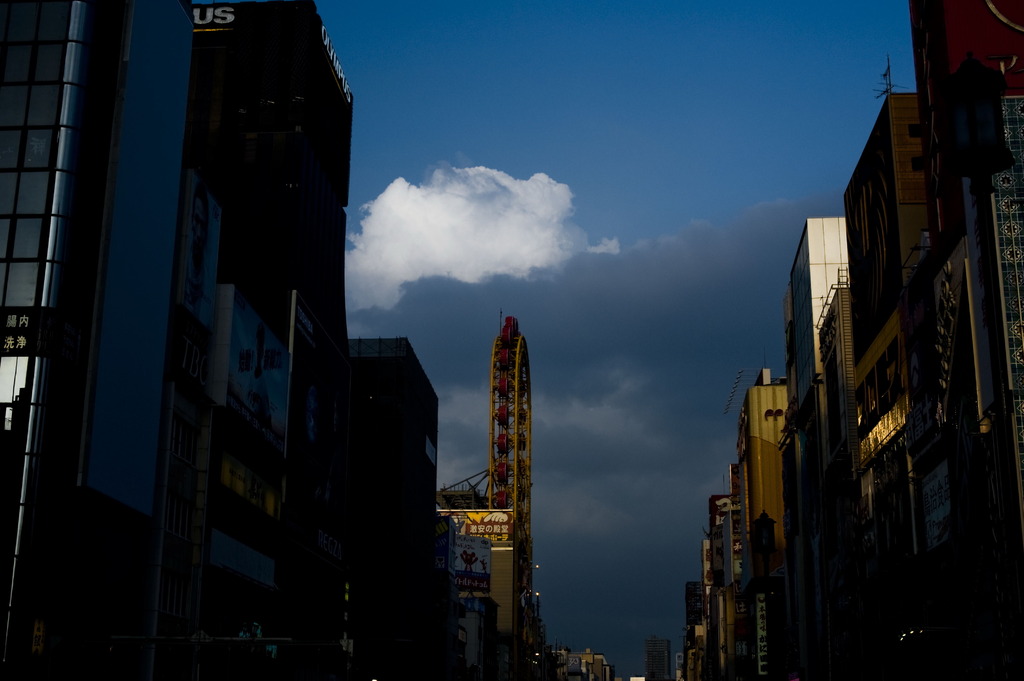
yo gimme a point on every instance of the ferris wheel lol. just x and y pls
(509, 465)
(508, 488)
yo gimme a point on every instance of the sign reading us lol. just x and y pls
(212, 15)
(1010, 12)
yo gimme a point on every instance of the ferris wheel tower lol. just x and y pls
(509, 465)
(509, 483)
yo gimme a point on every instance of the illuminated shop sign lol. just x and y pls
(472, 562)
(237, 477)
(18, 328)
(495, 525)
(34, 332)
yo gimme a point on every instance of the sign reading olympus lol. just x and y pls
(220, 16)
(335, 63)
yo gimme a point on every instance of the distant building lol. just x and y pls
(659, 665)
(585, 665)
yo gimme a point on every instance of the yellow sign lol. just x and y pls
(38, 637)
(246, 484)
(494, 524)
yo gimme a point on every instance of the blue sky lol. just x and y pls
(630, 180)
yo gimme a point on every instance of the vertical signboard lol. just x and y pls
(199, 235)
(935, 493)
(694, 604)
(761, 632)
(256, 382)
(444, 545)
(201, 232)
(318, 416)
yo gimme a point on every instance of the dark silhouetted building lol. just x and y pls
(173, 372)
(397, 599)
(88, 222)
(267, 151)
(658, 659)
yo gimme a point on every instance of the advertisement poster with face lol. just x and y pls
(257, 374)
(202, 237)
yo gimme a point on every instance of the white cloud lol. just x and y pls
(467, 224)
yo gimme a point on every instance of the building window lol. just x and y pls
(173, 594)
(13, 374)
(21, 284)
(184, 440)
(179, 516)
(53, 20)
(13, 105)
(21, 26)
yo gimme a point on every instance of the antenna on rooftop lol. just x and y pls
(888, 87)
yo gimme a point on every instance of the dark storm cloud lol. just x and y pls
(633, 356)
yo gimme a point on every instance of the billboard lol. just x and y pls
(493, 524)
(694, 603)
(253, 378)
(472, 562)
(444, 545)
(935, 495)
(201, 217)
(240, 479)
(318, 416)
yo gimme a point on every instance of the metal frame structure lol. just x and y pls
(509, 467)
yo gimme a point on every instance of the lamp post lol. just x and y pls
(977, 145)
(764, 539)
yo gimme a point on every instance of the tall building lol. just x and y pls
(819, 269)
(970, 459)
(658, 660)
(728, 630)
(84, 293)
(261, 301)
(397, 604)
(759, 434)
(155, 377)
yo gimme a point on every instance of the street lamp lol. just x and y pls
(977, 146)
(764, 538)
